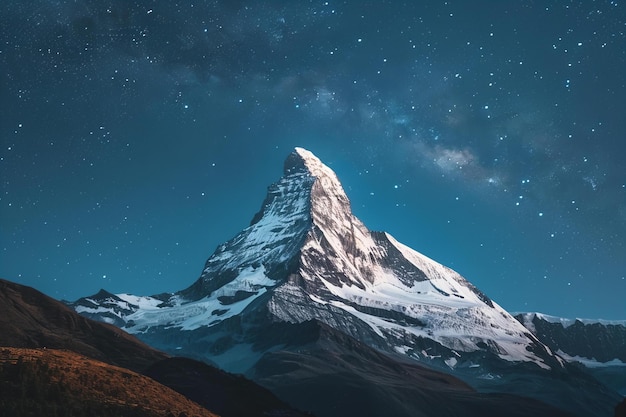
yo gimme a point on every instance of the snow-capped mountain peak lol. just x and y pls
(305, 256)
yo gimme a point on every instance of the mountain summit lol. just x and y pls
(305, 258)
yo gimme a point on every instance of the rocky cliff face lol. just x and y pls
(306, 258)
(601, 341)
(598, 345)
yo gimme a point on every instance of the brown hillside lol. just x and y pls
(59, 382)
(31, 319)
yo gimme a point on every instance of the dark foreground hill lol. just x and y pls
(54, 362)
(230, 395)
(30, 319)
(51, 382)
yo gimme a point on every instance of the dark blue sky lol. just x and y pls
(137, 136)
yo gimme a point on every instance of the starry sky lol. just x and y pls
(136, 136)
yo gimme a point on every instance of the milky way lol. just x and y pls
(137, 136)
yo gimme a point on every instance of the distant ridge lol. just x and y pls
(566, 322)
(598, 345)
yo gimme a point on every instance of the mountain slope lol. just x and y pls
(60, 382)
(598, 345)
(601, 341)
(30, 319)
(332, 374)
(306, 258)
(223, 393)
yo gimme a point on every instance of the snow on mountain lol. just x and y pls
(399, 293)
(306, 256)
(591, 362)
(453, 312)
(225, 302)
(308, 276)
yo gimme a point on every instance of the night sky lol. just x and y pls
(489, 135)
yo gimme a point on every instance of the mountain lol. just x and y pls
(598, 345)
(306, 260)
(30, 319)
(331, 374)
(594, 342)
(51, 382)
(48, 349)
(225, 394)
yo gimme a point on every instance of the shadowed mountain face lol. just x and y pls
(600, 341)
(598, 346)
(225, 394)
(332, 374)
(620, 409)
(305, 258)
(30, 319)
